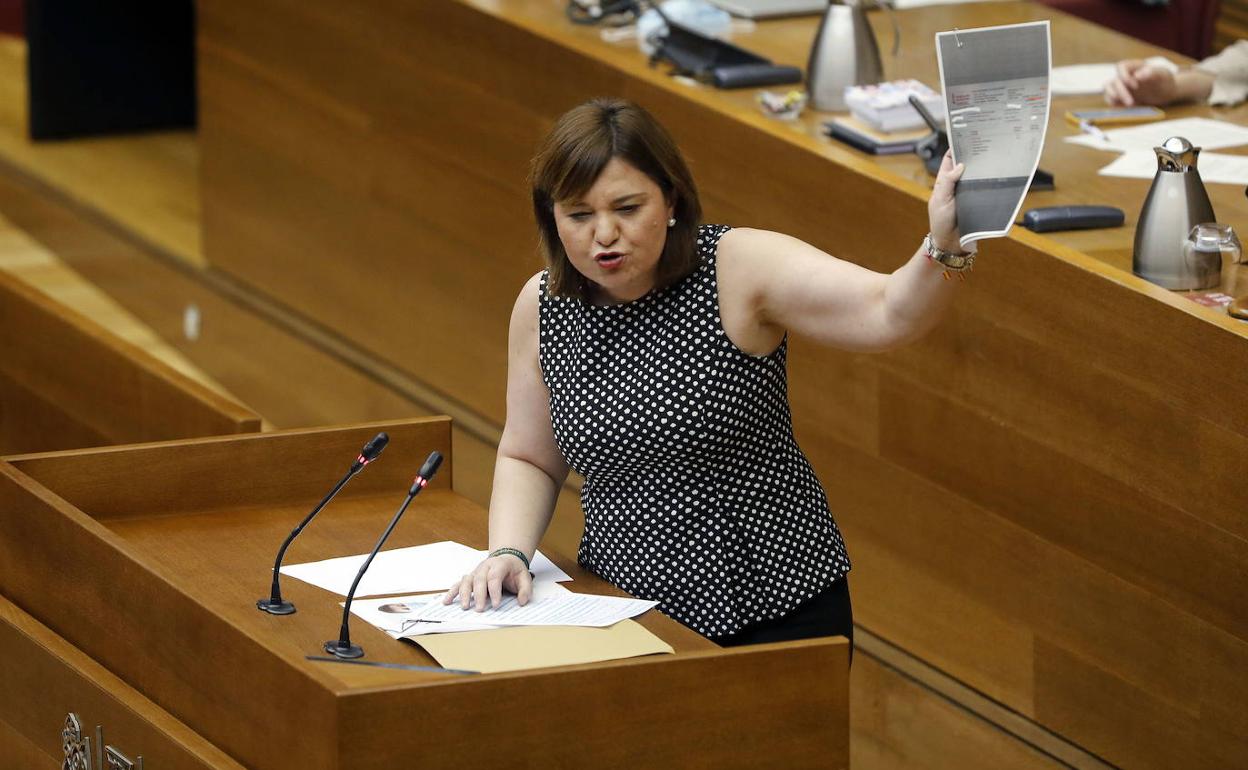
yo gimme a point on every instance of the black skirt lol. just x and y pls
(826, 614)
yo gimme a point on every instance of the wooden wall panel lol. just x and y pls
(45, 678)
(99, 384)
(19, 750)
(1139, 729)
(898, 725)
(31, 423)
(1152, 646)
(917, 608)
(1102, 520)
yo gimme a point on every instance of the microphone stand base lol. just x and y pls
(349, 651)
(275, 608)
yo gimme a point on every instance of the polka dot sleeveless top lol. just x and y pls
(696, 494)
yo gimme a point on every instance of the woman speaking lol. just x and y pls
(649, 357)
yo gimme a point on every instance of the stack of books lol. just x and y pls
(886, 106)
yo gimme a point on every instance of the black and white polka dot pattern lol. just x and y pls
(696, 493)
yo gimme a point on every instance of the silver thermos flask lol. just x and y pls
(844, 54)
(1176, 203)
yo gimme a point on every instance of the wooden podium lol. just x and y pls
(131, 576)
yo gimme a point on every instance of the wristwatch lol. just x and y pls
(952, 261)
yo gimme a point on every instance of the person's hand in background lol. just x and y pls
(1141, 83)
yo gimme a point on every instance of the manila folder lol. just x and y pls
(522, 647)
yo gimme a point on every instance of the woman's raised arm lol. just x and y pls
(772, 283)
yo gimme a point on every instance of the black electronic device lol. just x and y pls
(721, 64)
(1055, 218)
(1042, 181)
(342, 646)
(932, 148)
(754, 75)
(275, 605)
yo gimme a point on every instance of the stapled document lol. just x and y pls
(996, 84)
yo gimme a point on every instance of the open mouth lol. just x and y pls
(609, 259)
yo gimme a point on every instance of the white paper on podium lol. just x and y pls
(397, 616)
(566, 609)
(413, 570)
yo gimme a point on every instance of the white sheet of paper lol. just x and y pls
(1205, 133)
(902, 5)
(1215, 168)
(398, 618)
(1079, 79)
(553, 610)
(996, 86)
(432, 567)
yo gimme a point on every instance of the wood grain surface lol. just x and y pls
(67, 382)
(44, 679)
(176, 570)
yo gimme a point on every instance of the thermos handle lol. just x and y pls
(892, 16)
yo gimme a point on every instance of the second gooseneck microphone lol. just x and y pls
(342, 647)
(274, 604)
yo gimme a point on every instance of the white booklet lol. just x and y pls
(996, 85)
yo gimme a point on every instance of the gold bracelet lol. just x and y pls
(948, 261)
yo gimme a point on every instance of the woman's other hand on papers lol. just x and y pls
(489, 580)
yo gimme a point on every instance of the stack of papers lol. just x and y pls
(556, 627)
(1215, 168)
(886, 107)
(1204, 133)
(433, 567)
(405, 617)
(1138, 161)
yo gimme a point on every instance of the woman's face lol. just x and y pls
(614, 234)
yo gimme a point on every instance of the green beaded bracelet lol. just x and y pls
(511, 552)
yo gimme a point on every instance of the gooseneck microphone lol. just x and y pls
(275, 605)
(342, 647)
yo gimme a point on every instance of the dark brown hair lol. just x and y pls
(572, 156)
